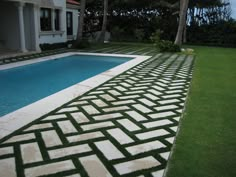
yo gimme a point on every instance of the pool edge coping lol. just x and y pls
(23, 116)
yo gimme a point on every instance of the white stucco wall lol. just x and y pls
(9, 25)
(75, 21)
(50, 38)
(9, 30)
(29, 27)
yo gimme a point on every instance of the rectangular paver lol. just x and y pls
(119, 108)
(136, 116)
(152, 134)
(67, 127)
(79, 117)
(51, 138)
(135, 165)
(109, 150)
(162, 114)
(97, 125)
(168, 107)
(107, 116)
(51, 168)
(120, 136)
(68, 151)
(142, 108)
(18, 138)
(6, 150)
(85, 136)
(129, 125)
(8, 167)
(157, 123)
(31, 153)
(94, 166)
(145, 147)
(90, 109)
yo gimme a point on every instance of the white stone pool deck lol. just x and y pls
(17, 119)
(122, 123)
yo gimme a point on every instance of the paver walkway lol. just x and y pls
(125, 127)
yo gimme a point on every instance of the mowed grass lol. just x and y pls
(206, 143)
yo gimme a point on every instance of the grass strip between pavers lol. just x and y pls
(178, 66)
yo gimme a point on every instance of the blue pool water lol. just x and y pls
(24, 85)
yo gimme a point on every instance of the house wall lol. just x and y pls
(56, 37)
(29, 27)
(9, 30)
(75, 21)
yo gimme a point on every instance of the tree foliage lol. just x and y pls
(136, 20)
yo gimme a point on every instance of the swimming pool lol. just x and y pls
(21, 86)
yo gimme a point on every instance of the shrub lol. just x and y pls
(47, 46)
(117, 33)
(164, 46)
(156, 37)
(222, 33)
(168, 46)
(139, 34)
(84, 43)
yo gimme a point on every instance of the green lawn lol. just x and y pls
(206, 143)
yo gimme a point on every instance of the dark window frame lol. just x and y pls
(69, 23)
(57, 19)
(46, 19)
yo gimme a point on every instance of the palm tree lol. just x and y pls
(182, 21)
(104, 22)
(81, 22)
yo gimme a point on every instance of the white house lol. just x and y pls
(24, 24)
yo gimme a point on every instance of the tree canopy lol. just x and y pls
(131, 20)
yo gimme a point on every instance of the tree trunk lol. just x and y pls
(81, 22)
(104, 22)
(182, 21)
(185, 33)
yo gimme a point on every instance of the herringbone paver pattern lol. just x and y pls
(125, 127)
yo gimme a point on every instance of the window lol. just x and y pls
(69, 23)
(45, 19)
(57, 19)
(50, 19)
